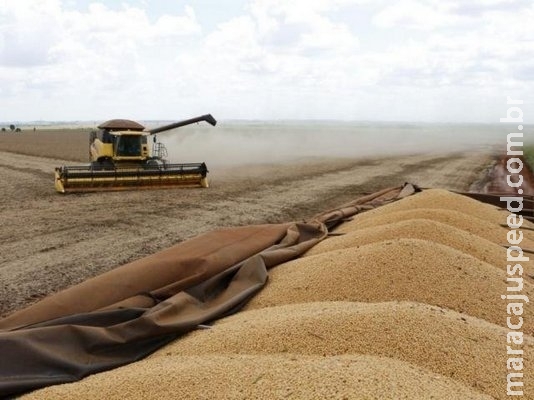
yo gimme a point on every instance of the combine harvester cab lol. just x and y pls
(121, 159)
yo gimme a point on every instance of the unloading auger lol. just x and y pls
(121, 158)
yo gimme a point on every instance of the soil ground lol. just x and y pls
(51, 241)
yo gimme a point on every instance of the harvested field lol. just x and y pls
(64, 144)
(408, 300)
(52, 241)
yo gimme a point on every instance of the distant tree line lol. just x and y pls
(12, 128)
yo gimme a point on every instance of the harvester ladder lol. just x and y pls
(159, 150)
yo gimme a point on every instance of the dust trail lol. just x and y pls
(233, 143)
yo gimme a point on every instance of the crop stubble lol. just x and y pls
(50, 241)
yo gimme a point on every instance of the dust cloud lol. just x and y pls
(234, 143)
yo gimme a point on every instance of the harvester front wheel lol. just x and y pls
(152, 164)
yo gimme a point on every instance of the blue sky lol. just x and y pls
(405, 60)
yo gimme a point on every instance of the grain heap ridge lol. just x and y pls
(404, 305)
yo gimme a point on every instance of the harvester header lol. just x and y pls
(121, 157)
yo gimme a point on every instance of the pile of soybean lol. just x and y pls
(406, 303)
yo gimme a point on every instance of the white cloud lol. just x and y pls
(99, 55)
(279, 44)
(54, 34)
(173, 25)
(417, 14)
(301, 26)
(27, 31)
(273, 59)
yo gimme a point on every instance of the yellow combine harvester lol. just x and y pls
(121, 158)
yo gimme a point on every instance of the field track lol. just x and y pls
(51, 241)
